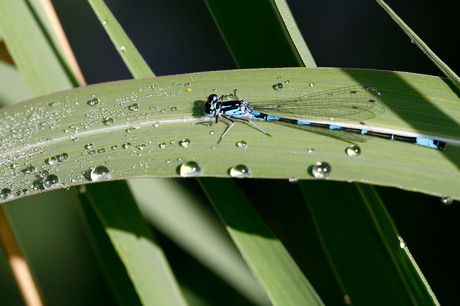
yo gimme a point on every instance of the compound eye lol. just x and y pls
(212, 98)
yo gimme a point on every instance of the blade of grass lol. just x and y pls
(171, 210)
(424, 47)
(32, 47)
(163, 103)
(128, 52)
(264, 253)
(364, 247)
(132, 239)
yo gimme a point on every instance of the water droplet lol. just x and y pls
(240, 171)
(14, 166)
(101, 150)
(75, 139)
(411, 41)
(278, 86)
(179, 159)
(157, 124)
(108, 121)
(104, 22)
(93, 102)
(114, 147)
(321, 170)
(402, 244)
(173, 108)
(353, 150)
(168, 161)
(63, 157)
(185, 143)
(447, 200)
(242, 144)
(100, 173)
(127, 145)
(123, 49)
(190, 168)
(134, 107)
(311, 150)
(311, 84)
(89, 146)
(293, 180)
(52, 160)
(51, 181)
(6, 194)
(130, 130)
(211, 132)
(44, 173)
(163, 145)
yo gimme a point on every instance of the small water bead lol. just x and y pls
(402, 244)
(101, 150)
(311, 84)
(287, 81)
(93, 102)
(211, 132)
(104, 22)
(168, 161)
(185, 142)
(92, 152)
(353, 150)
(6, 194)
(130, 130)
(14, 166)
(44, 173)
(51, 181)
(321, 170)
(447, 200)
(52, 160)
(293, 180)
(114, 147)
(127, 145)
(123, 49)
(100, 173)
(173, 108)
(142, 146)
(108, 121)
(157, 124)
(240, 171)
(162, 145)
(134, 107)
(278, 86)
(242, 144)
(311, 150)
(190, 168)
(180, 159)
(74, 139)
(63, 157)
(89, 146)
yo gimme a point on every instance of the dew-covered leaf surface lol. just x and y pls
(149, 127)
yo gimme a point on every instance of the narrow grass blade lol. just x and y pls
(128, 52)
(261, 33)
(364, 247)
(130, 235)
(424, 47)
(266, 256)
(31, 44)
(178, 215)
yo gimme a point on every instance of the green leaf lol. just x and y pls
(430, 108)
(262, 34)
(370, 259)
(32, 44)
(266, 256)
(130, 235)
(128, 52)
(424, 47)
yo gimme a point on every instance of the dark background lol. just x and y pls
(180, 37)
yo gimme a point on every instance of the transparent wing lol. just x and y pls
(354, 102)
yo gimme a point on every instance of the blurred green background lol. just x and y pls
(352, 34)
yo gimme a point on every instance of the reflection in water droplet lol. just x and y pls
(447, 200)
(190, 168)
(100, 173)
(242, 144)
(185, 143)
(321, 170)
(6, 194)
(353, 150)
(240, 171)
(51, 181)
(278, 86)
(63, 157)
(93, 102)
(108, 121)
(293, 180)
(44, 173)
(134, 107)
(52, 160)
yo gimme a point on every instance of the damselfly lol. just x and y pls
(355, 103)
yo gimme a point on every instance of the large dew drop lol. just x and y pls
(100, 173)
(321, 170)
(190, 168)
(240, 171)
(51, 181)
